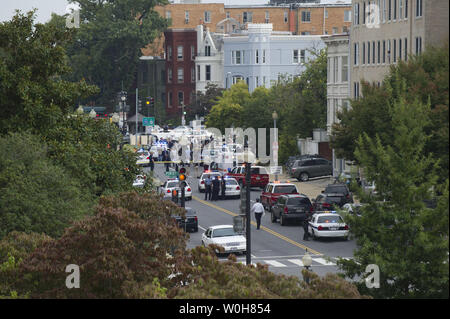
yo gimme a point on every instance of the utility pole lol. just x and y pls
(137, 102)
(248, 167)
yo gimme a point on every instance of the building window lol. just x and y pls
(389, 51)
(193, 74)
(406, 49)
(306, 16)
(390, 10)
(384, 11)
(192, 53)
(406, 9)
(418, 45)
(168, 15)
(373, 52)
(395, 10)
(237, 78)
(326, 13)
(163, 75)
(186, 17)
(264, 56)
(378, 52)
(295, 56)
(180, 75)
(198, 72)
(169, 76)
(306, 33)
(267, 17)
(170, 101)
(364, 53)
(169, 53)
(180, 98)
(400, 9)
(207, 50)
(228, 15)
(285, 17)
(348, 16)
(257, 56)
(256, 81)
(180, 53)
(247, 17)
(207, 72)
(400, 49)
(335, 30)
(344, 69)
(336, 69)
(384, 51)
(395, 51)
(368, 52)
(207, 16)
(364, 13)
(328, 70)
(356, 12)
(356, 54)
(237, 57)
(302, 56)
(418, 8)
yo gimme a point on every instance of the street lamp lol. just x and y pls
(275, 148)
(307, 261)
(115, 118)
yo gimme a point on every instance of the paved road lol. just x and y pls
(280, 247)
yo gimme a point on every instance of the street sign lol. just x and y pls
(171, 174)
(148, 121)
(276, 170)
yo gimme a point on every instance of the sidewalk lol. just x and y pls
(311, 188)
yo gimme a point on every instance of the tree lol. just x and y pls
(203, 102)
(397, 231)
(34, 96)
(35, 194)
(106, 48)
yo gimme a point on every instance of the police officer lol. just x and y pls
(305, 226)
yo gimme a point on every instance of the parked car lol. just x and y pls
(189, 222)
(225, 236)
(338, 188)
(291, 160)
(232, 188)
(143, 158)
(172, 184)
(304, 169)
(201, 181)
(289, 207)
(328, 225)
(273, 190)
(139, 181)
(327, 202)
(259, 176)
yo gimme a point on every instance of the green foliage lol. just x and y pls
(204, 101)
(107, 46)
(32, 62)
(35, 194)
(397, 232)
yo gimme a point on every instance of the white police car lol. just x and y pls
(173, 184)
(327, 224)
(225, 236)
(232, 188)
(201, 181)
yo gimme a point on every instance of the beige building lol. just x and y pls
(385, 32)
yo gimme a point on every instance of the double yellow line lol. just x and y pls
(226, 211)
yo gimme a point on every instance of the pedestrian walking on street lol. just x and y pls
(215, 188)
(305, 227)
(152, 162)
(208, 184)
(258, 209)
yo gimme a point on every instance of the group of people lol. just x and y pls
(214, 187)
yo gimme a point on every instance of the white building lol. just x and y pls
(209, 59)
(338, 85)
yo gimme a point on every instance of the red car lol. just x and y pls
(259, 176)
(274, 190)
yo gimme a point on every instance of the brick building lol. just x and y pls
(181, 49)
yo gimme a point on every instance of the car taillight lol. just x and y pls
(286, 210)
(148, 157)
(196, 219)
(202, 182)
(188, 189)
(348, 196)
(238, 188)
(168, 191)
(319, 228)
(346, 227)
(326, 205)
(311, 209)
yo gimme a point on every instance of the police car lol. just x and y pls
(327, 224)
(232, 188)
(201, 181)
(225, 236)
(143, 158)
(139, 181)
(173, 184)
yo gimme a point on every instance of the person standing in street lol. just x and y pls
(215, 188)
(208, 184)
(151, 162)
(223, 187)
(305, 226)
(258, 209)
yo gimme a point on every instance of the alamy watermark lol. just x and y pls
(73, 17)
(373, 278)
(73, 280)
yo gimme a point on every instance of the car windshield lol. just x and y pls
(286, 189)
(224, 232)
(172, 184)
(298, 201)
(230, 182)
(330, 220)
(212, 176)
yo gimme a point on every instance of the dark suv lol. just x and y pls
(290, 207)
(190, 222)
(342, 189)
(304, 169)
(327, 202)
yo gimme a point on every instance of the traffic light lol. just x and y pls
(175, 196)
(182, 176)
(150, 102)
(140, 106)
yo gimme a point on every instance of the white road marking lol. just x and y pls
(274, 263)
(298, 262)
(323, 261)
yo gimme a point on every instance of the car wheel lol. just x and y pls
(303, 177)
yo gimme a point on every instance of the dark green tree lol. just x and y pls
(203, 102)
